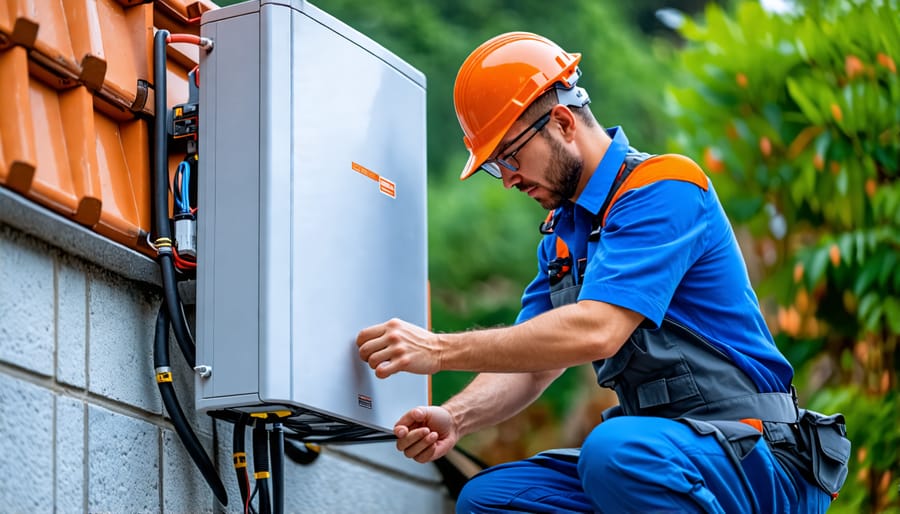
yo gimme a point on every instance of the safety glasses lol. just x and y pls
(506, 158)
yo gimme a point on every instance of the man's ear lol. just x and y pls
(563, 119)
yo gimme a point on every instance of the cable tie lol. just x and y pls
(261, 475)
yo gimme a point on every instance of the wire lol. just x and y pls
(203, 42)
(276, 451)
(181, 186)
(161, 221)
(240, 460)
(261, 465)
(179, 420)
(182, 263)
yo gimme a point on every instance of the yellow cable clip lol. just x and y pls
(266, 415)
(164, 376)
(240, 460)
(261, 474)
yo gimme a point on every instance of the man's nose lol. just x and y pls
(510, 178)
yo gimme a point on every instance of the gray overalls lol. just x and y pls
(672, 372)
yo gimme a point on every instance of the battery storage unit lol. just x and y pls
(312, 215)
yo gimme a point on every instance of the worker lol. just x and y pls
(639, 273)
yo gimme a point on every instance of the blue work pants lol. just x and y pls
(643, 465)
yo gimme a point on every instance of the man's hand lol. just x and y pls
(426, 433)
(399, 346)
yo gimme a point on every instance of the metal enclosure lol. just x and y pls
(312, 213)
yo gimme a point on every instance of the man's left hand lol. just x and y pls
(399, 346)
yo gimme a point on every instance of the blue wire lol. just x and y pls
(176, 187)
(181, 190)
(185, 188)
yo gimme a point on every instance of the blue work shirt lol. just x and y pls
(667, 249)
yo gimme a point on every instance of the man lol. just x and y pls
(639, 273)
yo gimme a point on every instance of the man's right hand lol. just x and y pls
(426, 433)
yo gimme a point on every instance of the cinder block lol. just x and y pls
(123, 463)
(71, 325)
(335, 484)
(26, 302)
(386, 455)
(26, 425)
(70, 457)
(184, 488)
(120, 362)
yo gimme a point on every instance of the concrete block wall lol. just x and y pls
(82, 426)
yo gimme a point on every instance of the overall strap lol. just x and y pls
(639, 170)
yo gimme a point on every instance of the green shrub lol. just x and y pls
(797, 119)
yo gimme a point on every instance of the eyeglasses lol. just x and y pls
(508, 159)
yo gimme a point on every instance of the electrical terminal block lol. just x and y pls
(186, 237)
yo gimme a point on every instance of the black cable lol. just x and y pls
(240, 460)
(179, 421)
(276, 449)
(250, 502)
(301, 453)
(261, 465)
(161, 201)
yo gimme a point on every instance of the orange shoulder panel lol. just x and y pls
(562, 249)
(661, 167)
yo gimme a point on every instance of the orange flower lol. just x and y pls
(802, 300)
(836, 112)
(853, 66)
(741, 80)
(835, 167)
(818, 162)
(834, 253)
(712, 161)
(886, 61)
(871, 187)
(765, 146)
(798, 272)
(731, 131)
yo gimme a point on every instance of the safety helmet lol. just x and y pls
(500, 79)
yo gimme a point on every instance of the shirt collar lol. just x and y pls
(597, 188)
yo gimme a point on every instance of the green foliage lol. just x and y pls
(436, 37)
(798, 119)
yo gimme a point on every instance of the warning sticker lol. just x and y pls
(384, 185)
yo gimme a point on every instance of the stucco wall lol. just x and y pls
(82, 426)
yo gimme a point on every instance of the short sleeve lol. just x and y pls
(536, 298)
(652, 236)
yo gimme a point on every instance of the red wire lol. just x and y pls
(247, 502)
(181, 263)
(183, 38)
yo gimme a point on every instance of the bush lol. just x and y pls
(797, 118)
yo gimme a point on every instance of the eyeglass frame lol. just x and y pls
(492, 166)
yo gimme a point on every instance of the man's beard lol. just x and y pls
(563, 174)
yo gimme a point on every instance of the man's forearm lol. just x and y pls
(557, 339)
(495, 397)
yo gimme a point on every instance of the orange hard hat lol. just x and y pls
(499, 80)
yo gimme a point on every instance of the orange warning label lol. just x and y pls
(384, 185)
